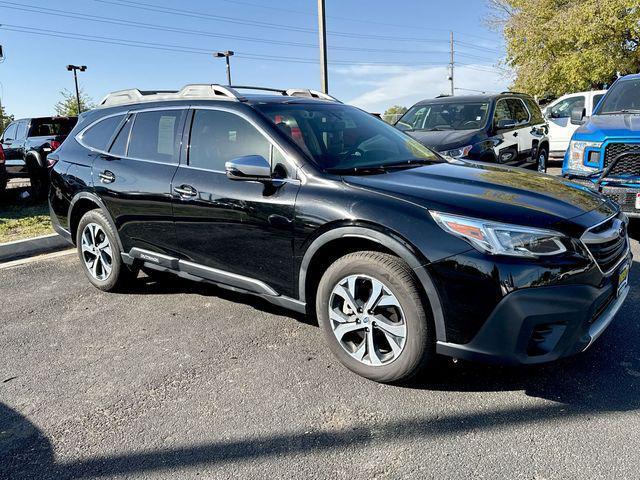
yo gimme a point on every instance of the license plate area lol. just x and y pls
(623, 278)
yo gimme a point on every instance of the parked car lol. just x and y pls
(507, 128)
(604, 152)
(24, 146)
(558, 114)
(321, 207)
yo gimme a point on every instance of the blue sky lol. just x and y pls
(380, 52)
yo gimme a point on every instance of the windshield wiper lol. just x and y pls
(413, 162)
(372, 169)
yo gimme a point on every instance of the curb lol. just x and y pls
(32, 246)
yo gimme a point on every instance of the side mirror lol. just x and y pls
(506, 124)
(250, 167)
(577, 115)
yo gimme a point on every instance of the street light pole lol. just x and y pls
(74, 69)
(322, 31)
(226, 55)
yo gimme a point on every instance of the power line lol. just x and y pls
(255, 23)
(165, 28)
(187, 49)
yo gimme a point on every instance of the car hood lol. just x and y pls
(501, 194)
(601, 127)
(444, 140)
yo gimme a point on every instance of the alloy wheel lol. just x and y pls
(367, 320)
(96, 251)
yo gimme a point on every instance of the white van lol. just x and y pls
(558, 115)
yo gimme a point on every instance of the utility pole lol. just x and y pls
(226, 56)
(74, 69)
(451, 64)
(322, 31)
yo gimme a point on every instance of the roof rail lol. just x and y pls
(513, 93)
(134, 95)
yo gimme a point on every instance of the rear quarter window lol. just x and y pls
(99, 135)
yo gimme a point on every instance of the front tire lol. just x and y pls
(373, 317)
(99, 253)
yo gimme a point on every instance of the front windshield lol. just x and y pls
(623, 97)
(446, 116)
(343, 138)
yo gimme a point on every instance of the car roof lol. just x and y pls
(54, 117)
(471, 98)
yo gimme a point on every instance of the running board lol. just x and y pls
(198, 272)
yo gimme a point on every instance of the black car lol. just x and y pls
(507, 128)
(321, 207)
(24, 146)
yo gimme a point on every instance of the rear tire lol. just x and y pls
(99, 253)
(398, 329)
(542, 159)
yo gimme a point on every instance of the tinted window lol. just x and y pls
(217, 137)
(623, 97)
(446, 116)
(563, 108)
(119, 147)
(339, 137)
(155, 136)
(44, 127)
(518, 111)
(10, 132)
(534, 110)
(596, 100)
(22, 130)
(502, 112)
(100, 134)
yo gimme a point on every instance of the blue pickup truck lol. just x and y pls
(604, 153)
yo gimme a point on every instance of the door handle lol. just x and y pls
(185, 191)
(107, 177)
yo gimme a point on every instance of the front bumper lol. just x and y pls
(542, 324)
(624, 195)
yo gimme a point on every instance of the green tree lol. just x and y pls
(392, 114)
(560, 46)
(5, 119)
(68, 106)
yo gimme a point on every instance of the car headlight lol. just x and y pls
(576, 155)
(501, 238)
(457, 152)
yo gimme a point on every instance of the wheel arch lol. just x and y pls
(81, 204)
(34, 156)
(340, 241)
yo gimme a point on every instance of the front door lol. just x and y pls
(560, 127)
(506, 149)
(244, 228)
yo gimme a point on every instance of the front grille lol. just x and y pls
(625, 197)
(629, 165)
(607, 242)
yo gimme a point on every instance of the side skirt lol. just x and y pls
(201, 273)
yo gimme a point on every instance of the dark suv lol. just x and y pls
(24, 147)
(507, 128)
(323, 208)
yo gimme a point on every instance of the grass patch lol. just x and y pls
(23, 220)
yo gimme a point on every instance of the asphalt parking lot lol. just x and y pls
(178, 380)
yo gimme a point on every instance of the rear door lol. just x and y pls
(521, 115)
(132, 174)
(506, 149)
(243, 228)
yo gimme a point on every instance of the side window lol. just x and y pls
(518, 111)
(563, 108)
(99, 135)
(217, 137)
(155, 136)
(10, 132)
(596, 100)
(119, 147)
(21, 133)
(534, 110)
(502, 112)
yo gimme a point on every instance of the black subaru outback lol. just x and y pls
(320, 207)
